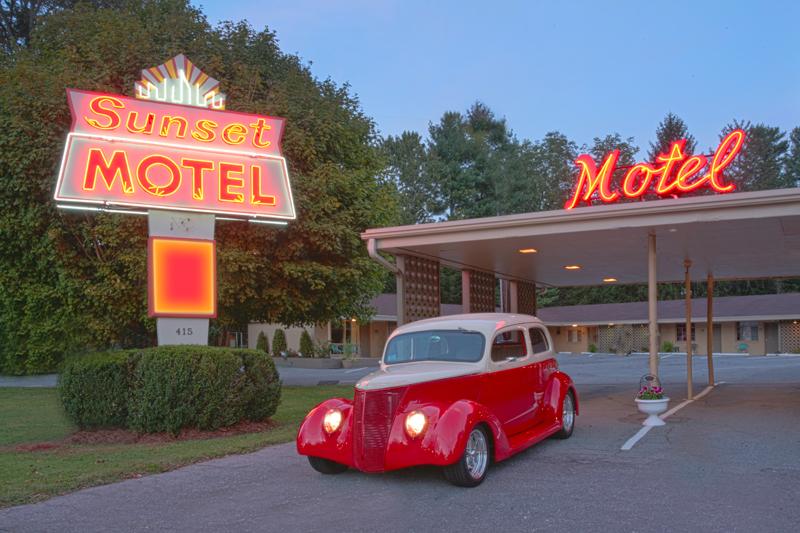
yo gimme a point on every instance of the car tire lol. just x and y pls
(326, 466)
(471, 468)
(567, 417)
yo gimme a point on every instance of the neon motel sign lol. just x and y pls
(133, 152)
(174, 148)
(673, 173)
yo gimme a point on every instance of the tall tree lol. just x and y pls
(671, 129)
(18, 18)
(407, 162)
(557, 156)
(71, 281)
(465, 161)
(792, 169)
(760, 164)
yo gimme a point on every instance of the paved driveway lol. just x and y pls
(730, 461)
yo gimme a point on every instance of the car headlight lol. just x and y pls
(415, 423)
(332, 420)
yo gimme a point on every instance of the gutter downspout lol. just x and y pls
(372, 250)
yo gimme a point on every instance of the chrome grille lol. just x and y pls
(374, 413)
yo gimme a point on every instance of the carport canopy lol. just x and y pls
(747, 235)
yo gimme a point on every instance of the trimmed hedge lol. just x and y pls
(306, 344)
(169, 388)
(279, 343)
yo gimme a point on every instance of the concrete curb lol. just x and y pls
(308, 362)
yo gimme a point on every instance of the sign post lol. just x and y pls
(173, 154)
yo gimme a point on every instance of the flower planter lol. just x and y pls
(652, 408)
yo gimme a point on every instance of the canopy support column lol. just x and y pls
(652, 303)
(710, 328)
(477, 291)
(513, 297)
(687, 264)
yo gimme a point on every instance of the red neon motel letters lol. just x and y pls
(672, 173)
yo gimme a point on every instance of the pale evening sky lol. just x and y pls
(581, 67)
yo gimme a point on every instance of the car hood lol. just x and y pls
(402, 374)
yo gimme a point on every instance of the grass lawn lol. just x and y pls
(35, 415)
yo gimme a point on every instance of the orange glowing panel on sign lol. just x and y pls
(671, 174)
(182, 280)
(139, 153)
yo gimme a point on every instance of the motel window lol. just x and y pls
(509, 344)
(574, 335)
(681, 333)
(538, 340)
(747, 331)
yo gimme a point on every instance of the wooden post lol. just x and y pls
(710, 328)
(688, 281)
(400, 261)
(652, 303)
(466, 293)
(513, 297)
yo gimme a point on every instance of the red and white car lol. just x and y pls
(458, 391)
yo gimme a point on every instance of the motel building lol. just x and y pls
(641, 228)
(750, 325)
(707, 238)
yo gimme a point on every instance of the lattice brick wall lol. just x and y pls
(622, 339)
(526, 298)
(421, 288)
(790, 337)
(481, 292)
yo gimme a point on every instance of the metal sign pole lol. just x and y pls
(177, 224)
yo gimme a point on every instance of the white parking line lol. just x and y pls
(350, 371)
(642, 432)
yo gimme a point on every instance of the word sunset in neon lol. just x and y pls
(673, 173)
(142, 153)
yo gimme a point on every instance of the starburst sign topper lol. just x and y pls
(174, 147)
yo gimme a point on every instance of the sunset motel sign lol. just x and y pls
(175, 154)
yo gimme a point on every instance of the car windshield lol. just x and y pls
(436, 345)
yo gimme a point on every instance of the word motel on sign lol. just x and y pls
(673, 173)
(143, 153)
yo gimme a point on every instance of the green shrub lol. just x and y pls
(170, 388)
(306, 344)
(278, 342)
(262, 343)
(667, 347)
(95, 388)
(593, 348)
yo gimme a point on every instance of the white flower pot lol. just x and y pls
(652, 408)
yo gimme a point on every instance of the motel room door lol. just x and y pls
(717, 342)
(771, 337)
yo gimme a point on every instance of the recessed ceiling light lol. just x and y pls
(528, 250)
(610, 323)
(574, 325)
(572, 267)
(673, 230)
(609, 280)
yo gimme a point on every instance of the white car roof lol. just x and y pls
(486, 323)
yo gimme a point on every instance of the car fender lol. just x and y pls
(557, 387)
(312, 439)
(445, 438)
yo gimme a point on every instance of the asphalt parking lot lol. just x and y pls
(727, 462)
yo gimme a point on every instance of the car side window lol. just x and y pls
(509, 344)
(538, 340)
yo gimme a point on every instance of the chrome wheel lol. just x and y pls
(476, 455)
(568, 413)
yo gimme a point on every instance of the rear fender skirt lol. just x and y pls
(556, 389)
